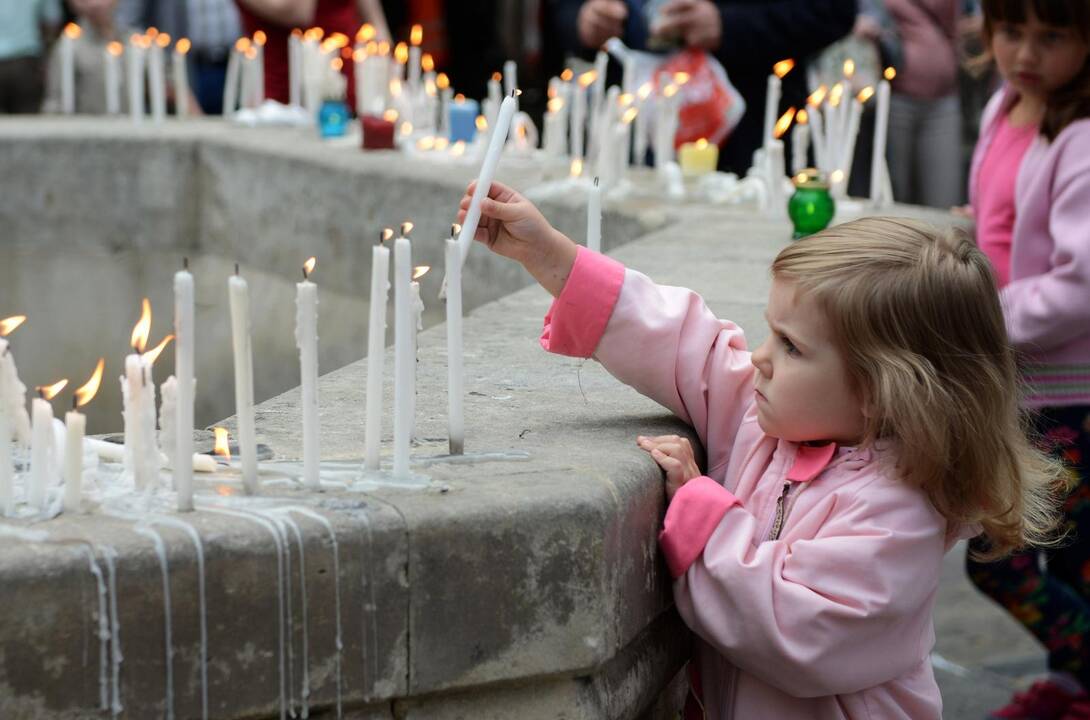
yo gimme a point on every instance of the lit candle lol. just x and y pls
(68, 67)
(14, 422)
(818, 132)
(594, 217)
(138, 391)
(455, 374)
(306, 339)
(800, 142)
(853, 135)
(75, 424)
(134, 79)
(157, 77)
(488, 170)
(579, 113)
(181, 78)
(878, 169)
(666, 125)
(185, 342)
(295, 61)
(775, 167)
(555, 141)
(403, 359)
(239, 293)
(446, 96)
(416, 36)
(112, 61)
(258, 61)
(232, 77)
(41, 445)
(643, 94)
(772, 95)
(698, 158)
(495, 97)
(376, 348)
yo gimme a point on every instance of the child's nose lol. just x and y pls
(760, 360)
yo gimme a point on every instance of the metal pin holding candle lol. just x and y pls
(306, 339)
(42, 472)
(75, 425)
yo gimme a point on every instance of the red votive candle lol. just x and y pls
(378, 133)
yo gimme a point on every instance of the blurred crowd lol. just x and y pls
(935, 102)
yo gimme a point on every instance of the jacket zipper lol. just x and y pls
(781, 513)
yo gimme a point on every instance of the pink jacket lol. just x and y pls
(831, 616)
(1047, 303)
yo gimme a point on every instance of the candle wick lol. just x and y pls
(236, 268)
(595, 181)
(41, 392)
(304, 273)
(75, 403)
(185, 263)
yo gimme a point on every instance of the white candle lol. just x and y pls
(134, 78)
(112, 63)
(455, 374)
(41, 452)
(181, 78)
(488, 170)
(403, 359)
(554, 142)
(306, 339)
(417, 36)
(231, 81)
(800, 146)
(594, 217)
(157, 78)
(578, 118)
(597, 93)
(14, 421)
(68, 68)
(878, 161)
(376, 349)
(75, 424)
(510, 80)
(295, 57)
(772, 106)
(849, 145)
(258, 88)
(244, 379)
(7, 469)
(820, 153)
(184, 344)
(141, 449)
(168, 422)
(446, 97)
(777, 206)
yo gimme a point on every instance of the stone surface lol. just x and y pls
(523, 582)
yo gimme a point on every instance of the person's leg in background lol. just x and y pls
(22, 85)
(938, 154)
(208, 78)
(901, 153)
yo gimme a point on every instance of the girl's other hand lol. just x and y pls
(675, 455)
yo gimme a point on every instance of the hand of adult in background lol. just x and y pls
(696, 22)
(867, 27)
(600, 20)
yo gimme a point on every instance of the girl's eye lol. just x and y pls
(789, 346)
(1052, 37)
(1010, 32)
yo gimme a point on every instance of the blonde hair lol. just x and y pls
(915, 312)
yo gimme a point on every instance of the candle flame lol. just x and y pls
(521, 132)
(420, 271)
(701, 143)
(406, 228)
(802, 118)
(359, 55)
(416, 35)
(251, 53)
(142, 328)
(625, 99)
(406, 129)
(387, 233)
(567, 75)
(482, 123)
(670, 90)
(308, 266)
(588, 78)
(338, 40)
(115, 48)
(497, 76)
(556, 105)
(865, 94)
(429, 88)
(836, 94)
(427, 62)
(296, 33)
(783, 67)
(629, 115)
(645, 91)
(395, 87)
(8, 325)
(441, 143)
(72, 31)
(366, 33)
(337, 64)
(183, 46)
(458, 149)
(151, 32)
(162, 40)
(849, 68)
(346, 53)
(459, 98)
(153, 354)
(401, 52)
(242, 44)
(314, 34)
(783, 123)
(680, 78)
(222, 448)
(371, 48)
(890, 73)
(817, 96)
(86, 392)
(384, 48)
(836, 176)
(425, 143)
(577, 167)
(48, 392)
(390, 115)
(442, 81)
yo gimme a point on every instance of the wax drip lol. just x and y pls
(304, 693)
(110, 555)
(103, 628)
(161, 551)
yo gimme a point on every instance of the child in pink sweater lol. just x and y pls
(844, 455)
(1030, 193)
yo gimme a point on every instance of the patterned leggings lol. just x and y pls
(1053, 602)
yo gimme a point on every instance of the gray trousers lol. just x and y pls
(925, 153)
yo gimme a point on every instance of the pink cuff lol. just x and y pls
(577, 319)
(692, 517)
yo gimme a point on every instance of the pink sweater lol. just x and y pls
(1047, 302)
(831, 617)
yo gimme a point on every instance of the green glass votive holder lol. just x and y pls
(811, 207)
